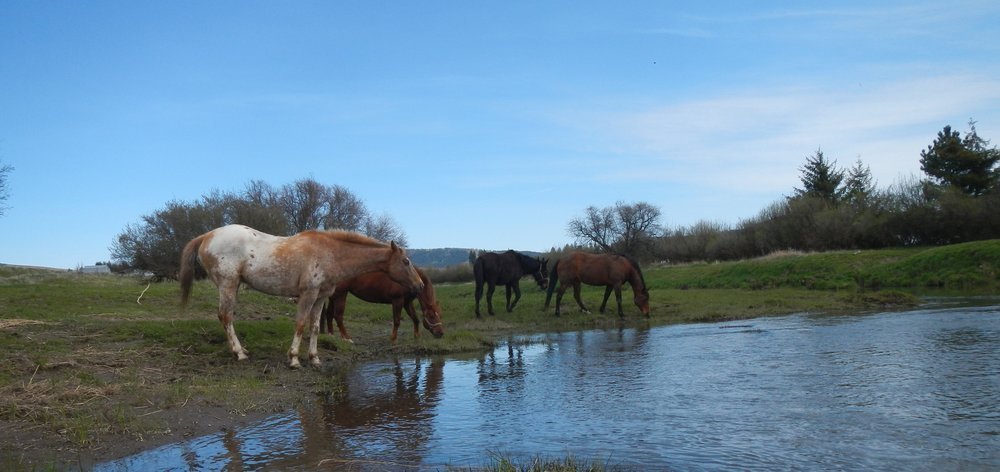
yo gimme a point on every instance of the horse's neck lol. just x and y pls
(526, 266)
(635, 280)
(426, 296)
(357, 260)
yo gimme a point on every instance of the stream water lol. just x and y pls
(916, 390)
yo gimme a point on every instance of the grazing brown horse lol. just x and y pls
(610, 270)
(377, 287)
(306, 266)
(506, 269)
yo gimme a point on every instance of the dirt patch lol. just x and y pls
(89, 399)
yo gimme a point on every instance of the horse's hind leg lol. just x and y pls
(304, 318)
(489, 298)
(227, 312)
(479, 296)
(413, 316)
(336, 309)
(579, 301)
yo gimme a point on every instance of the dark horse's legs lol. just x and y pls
(517, 295)
(618, 298)
(334, 311)
(489, 296)
(607, 294)
(576, 295)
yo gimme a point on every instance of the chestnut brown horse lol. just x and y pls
(306, 266)
(506, 269)
(610, 270)
(377, 287)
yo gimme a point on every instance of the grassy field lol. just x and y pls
(95, 367)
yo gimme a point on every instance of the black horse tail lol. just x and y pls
(480, 274)
(553, 281)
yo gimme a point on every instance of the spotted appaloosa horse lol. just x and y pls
(610, 270)
(306, 266)
(377, 287)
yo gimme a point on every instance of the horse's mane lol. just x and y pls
(356, 238)
(524, 258)
(637, 269)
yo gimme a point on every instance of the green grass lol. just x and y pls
(969, 266)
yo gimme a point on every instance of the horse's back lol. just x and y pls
(594, 268)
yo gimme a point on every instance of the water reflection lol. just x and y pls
(915, 391)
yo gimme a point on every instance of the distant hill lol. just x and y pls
(439, 258)
(445, 257)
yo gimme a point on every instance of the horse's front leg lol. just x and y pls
(397, 316)
(413, 316)
(517, 296)
(507, 289)
(227, 312)
(618, 298)
(607, 295)
(303, 319)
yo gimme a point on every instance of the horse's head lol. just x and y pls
(432, 318)
(402, 271)
(641, 300)
(542, 274)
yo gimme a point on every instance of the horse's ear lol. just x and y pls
(393, 246)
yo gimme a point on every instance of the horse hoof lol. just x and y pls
(316, 362)
(294, 364)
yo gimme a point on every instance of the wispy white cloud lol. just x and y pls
(757, 139)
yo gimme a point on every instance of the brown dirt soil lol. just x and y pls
(103, 400)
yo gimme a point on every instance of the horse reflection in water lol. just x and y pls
(383, 419)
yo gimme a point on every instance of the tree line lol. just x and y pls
(958, 200)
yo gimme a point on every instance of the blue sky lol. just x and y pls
(472, 124)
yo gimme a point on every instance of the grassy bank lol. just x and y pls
(95, 367)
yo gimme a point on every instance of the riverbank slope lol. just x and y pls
(97, 367)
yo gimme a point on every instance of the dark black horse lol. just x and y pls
(506, 269)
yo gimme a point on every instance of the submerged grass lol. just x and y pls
(504, 463)
(87, 359)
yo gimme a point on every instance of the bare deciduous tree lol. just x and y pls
(627, 228)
